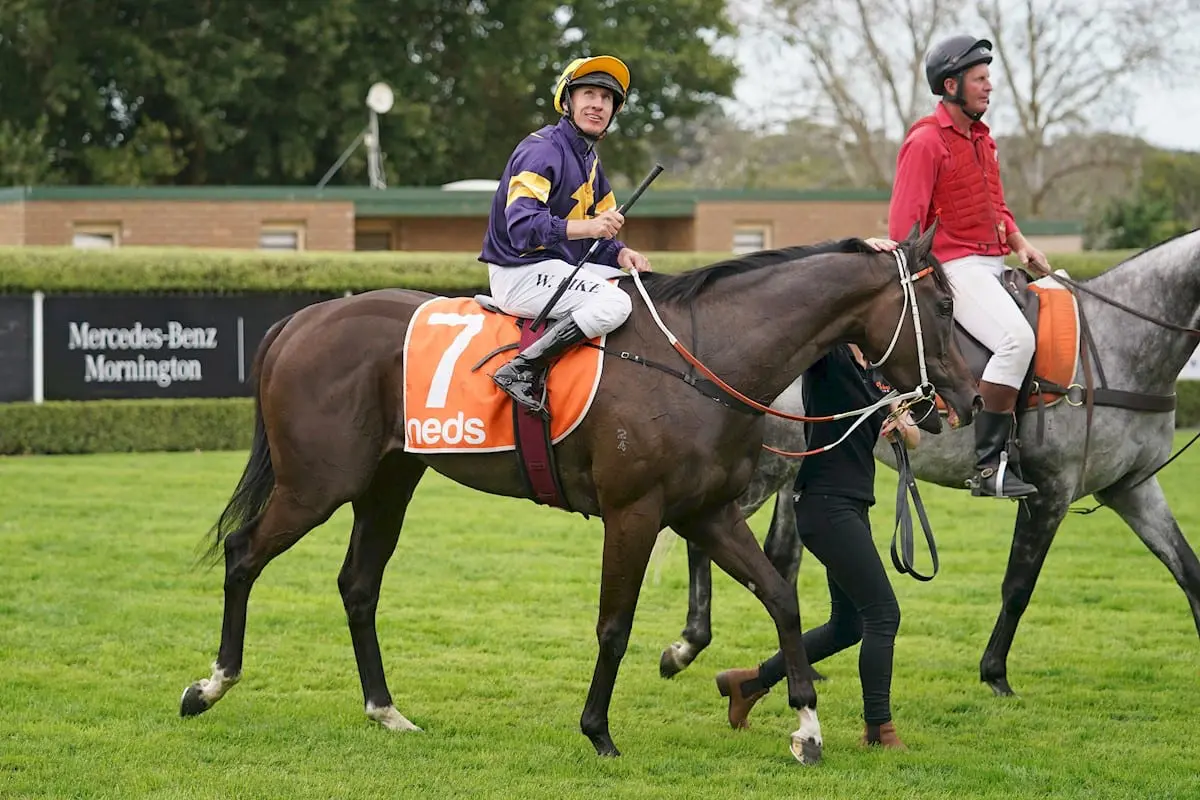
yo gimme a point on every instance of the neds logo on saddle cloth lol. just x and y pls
(450, 409)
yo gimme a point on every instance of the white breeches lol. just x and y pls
(597, 306)
(988, 313)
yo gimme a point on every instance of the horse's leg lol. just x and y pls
(731, 544)
(783, 549)
(378, 517)
(697, 632)
(285, 520)
(629, 535)
(1144, 508)
(1033, 533)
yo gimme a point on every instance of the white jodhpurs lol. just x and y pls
(597, 306)
(988, 313)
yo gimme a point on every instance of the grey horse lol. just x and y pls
(1126, 446)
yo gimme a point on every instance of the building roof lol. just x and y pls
(434, 201)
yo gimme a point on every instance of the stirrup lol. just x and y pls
(525, 400)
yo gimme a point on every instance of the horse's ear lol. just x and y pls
(913, 232)
(924, 244)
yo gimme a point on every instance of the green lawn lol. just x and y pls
(487, 625)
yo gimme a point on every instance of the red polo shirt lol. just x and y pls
(942, 172)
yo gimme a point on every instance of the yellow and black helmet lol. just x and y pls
(608, 72)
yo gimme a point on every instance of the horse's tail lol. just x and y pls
(249, 500)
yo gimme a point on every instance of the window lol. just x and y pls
(93, 236)
(748, 238)
(281, 236)
(373, 240)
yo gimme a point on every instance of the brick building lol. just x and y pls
(432, 218)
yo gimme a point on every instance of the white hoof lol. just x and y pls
(806, 740)
(214, 688)
(391, 719)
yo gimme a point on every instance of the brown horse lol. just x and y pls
(330, 430)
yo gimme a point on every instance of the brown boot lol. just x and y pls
(729, 684)
(883, 735)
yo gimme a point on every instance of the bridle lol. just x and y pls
(923, 392)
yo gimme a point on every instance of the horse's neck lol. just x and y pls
(1165, 284)
(764, 328)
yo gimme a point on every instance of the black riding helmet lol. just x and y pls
(952, 57)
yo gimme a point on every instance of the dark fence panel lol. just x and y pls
(16, 348)
(139, 346)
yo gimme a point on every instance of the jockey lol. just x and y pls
(552, 203)
(948, 169)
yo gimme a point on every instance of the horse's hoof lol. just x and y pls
(676, 658)
(670, 664)
(192, 703)
(393, 720)
(806, 750)
(604, 745)
(1000, 687)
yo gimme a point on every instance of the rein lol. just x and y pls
(923, 392)
(907, 483)
(1162, 323)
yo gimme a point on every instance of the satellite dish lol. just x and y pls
(380, 98)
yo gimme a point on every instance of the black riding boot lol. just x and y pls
(517, 376)
(992, 461)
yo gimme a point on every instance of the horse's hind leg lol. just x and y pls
(284, 521)
(1033, 533)
(697, 631)
(783, 549)
(378, 517)
(1144, 508)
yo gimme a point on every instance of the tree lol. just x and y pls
(1165, 203)
(1061, 70)
(272, 91)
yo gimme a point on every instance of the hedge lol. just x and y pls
(126, 426)
(119, 426)
(153, 270)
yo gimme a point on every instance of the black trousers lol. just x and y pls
(863, 606)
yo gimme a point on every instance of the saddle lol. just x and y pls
(1062, 340)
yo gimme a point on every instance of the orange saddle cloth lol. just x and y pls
(449, 407)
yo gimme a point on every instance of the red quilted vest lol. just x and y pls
(967, 196)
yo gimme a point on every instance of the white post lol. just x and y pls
(374, 159)
(39, 349)
(241, 347)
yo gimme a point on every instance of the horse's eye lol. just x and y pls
(945, 307)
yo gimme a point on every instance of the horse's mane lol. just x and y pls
(686, 286)
(1157, 245)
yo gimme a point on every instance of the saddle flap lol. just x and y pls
(450, 403)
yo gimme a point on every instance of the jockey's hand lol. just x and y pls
(632, 260)
(606, 224)
(881, 244)
(1033, 260)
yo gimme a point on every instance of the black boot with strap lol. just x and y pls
(517, 377)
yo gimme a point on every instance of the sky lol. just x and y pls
(1165, 117)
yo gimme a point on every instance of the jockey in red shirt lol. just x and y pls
(948, 169)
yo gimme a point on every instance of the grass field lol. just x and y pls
(487, 624)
